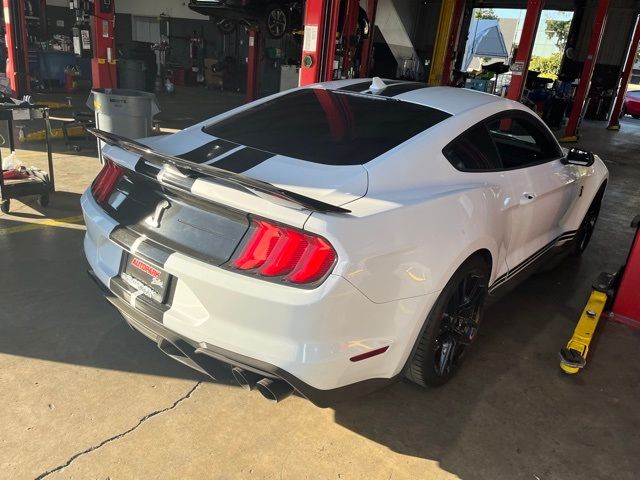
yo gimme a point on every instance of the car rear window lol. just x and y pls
(327, 126)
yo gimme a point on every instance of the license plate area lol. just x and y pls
(145, 277)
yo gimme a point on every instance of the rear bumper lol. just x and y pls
(306, 337)
(217, 362)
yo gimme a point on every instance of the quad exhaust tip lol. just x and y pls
(247, 380)
(271, 389)
(274, 390)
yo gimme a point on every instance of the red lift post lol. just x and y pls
(367, 45)
(570, 133)
(525, 46)
(348, 33)
(614, 119)
(17, 48)
(103, 63)
(452, 45)
(626, 303)
(318, 49)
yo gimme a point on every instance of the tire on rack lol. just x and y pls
(276, 21)
(451, 326)
(226, 26)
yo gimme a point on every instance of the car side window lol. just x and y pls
(521, 142)
(473, 151)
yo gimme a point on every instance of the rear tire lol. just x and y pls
(587, 227)
(451, 326)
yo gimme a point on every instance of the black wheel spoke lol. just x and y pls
(459, 321)
(447, 353)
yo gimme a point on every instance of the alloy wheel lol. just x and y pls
(277, 22)
(587, 228)
(459, 324)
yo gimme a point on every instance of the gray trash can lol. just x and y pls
(128, 113)
(132, 74)
(124, 112)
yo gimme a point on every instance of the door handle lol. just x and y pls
(527, 197)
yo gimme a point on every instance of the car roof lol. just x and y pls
(448, 99)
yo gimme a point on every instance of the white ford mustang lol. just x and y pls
(334, 238)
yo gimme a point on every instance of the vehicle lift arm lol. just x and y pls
(621, 292)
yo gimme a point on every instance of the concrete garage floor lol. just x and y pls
(84, 397)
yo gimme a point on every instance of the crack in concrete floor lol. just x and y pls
(120, 435)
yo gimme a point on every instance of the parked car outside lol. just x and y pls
(631, 104)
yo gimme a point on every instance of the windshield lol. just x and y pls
(327, 126)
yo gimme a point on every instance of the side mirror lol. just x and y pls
(575, 156)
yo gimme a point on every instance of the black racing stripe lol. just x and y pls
(531, 259)
(400, 88)
(242, 160)
(357, 87)
(178, 181)
(123, 237)
(146, 169)
(209, 151)
(148, 249)
(154, 252)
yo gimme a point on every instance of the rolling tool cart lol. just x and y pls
(26, 181)
(614, 296)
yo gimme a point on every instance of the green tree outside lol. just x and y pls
(547, 66)
(558, 29)
(486, 13)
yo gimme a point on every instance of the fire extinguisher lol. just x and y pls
(71, 74)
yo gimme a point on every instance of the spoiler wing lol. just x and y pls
(259, 188)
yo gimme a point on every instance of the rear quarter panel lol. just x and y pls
(402, 247)
(420, 220)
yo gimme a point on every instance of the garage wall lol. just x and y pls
(404, 29)
(615, 40)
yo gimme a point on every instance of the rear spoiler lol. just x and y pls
(257, 187)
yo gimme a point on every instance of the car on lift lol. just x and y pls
(279, 17)
(334, 238)
(632, 104)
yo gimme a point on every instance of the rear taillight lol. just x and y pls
(106, 181)
(285, 254)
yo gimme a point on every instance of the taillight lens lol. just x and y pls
(282, 253)
(106, 181)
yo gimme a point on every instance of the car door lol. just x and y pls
(541, 188)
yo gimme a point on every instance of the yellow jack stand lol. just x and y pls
(574, 356)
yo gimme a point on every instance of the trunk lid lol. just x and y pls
(332, 184)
